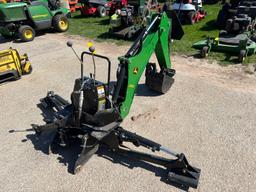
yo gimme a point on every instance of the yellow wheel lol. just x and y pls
(26, 33)
(60, 23)
(63, 25)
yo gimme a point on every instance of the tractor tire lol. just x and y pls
(26, 33)
(253, 38)
(101, 11)
(191, 17)
(241, 56)
(60, 23)
(204, 52)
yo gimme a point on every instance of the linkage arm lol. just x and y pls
(155, 38)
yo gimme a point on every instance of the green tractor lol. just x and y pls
(22, 19)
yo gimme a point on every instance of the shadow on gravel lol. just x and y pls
(228, 58)
(142, 90)
(108, 35)
(16, 40)
(69, 155)
(134, 163)
(66, 155)
(3, 40)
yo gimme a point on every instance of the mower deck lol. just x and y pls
(239, 44)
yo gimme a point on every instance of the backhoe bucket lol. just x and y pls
(159, 81)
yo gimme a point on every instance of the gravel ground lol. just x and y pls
(209, 114)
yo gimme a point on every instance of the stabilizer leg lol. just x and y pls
(179, 170)
(89, 148)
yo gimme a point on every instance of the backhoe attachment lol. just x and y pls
(61, 132)
(95, 113)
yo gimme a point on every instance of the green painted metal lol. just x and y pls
(16, 13)
(156, 41)
(61, 10)
(215, 45)
(10, 12)
(39, 13)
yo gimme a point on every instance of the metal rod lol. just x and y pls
(168, 151)
(82, 65)
(94, 69)
(147, 157)
(102, 57)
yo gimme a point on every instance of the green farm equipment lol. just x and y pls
(130, 20)
(23, 19)
(234, 8)
(96, 111)
(240, 45)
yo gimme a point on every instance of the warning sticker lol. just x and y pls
(101, 105)
(101, 92)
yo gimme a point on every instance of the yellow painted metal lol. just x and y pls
(12, 65)
(90, 44)
(28, 34)
(63, 24)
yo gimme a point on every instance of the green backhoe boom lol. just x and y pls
(155, 38)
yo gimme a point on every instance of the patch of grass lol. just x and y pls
(92, 27)
(198, 31)
(201, 30)
(97, 28)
